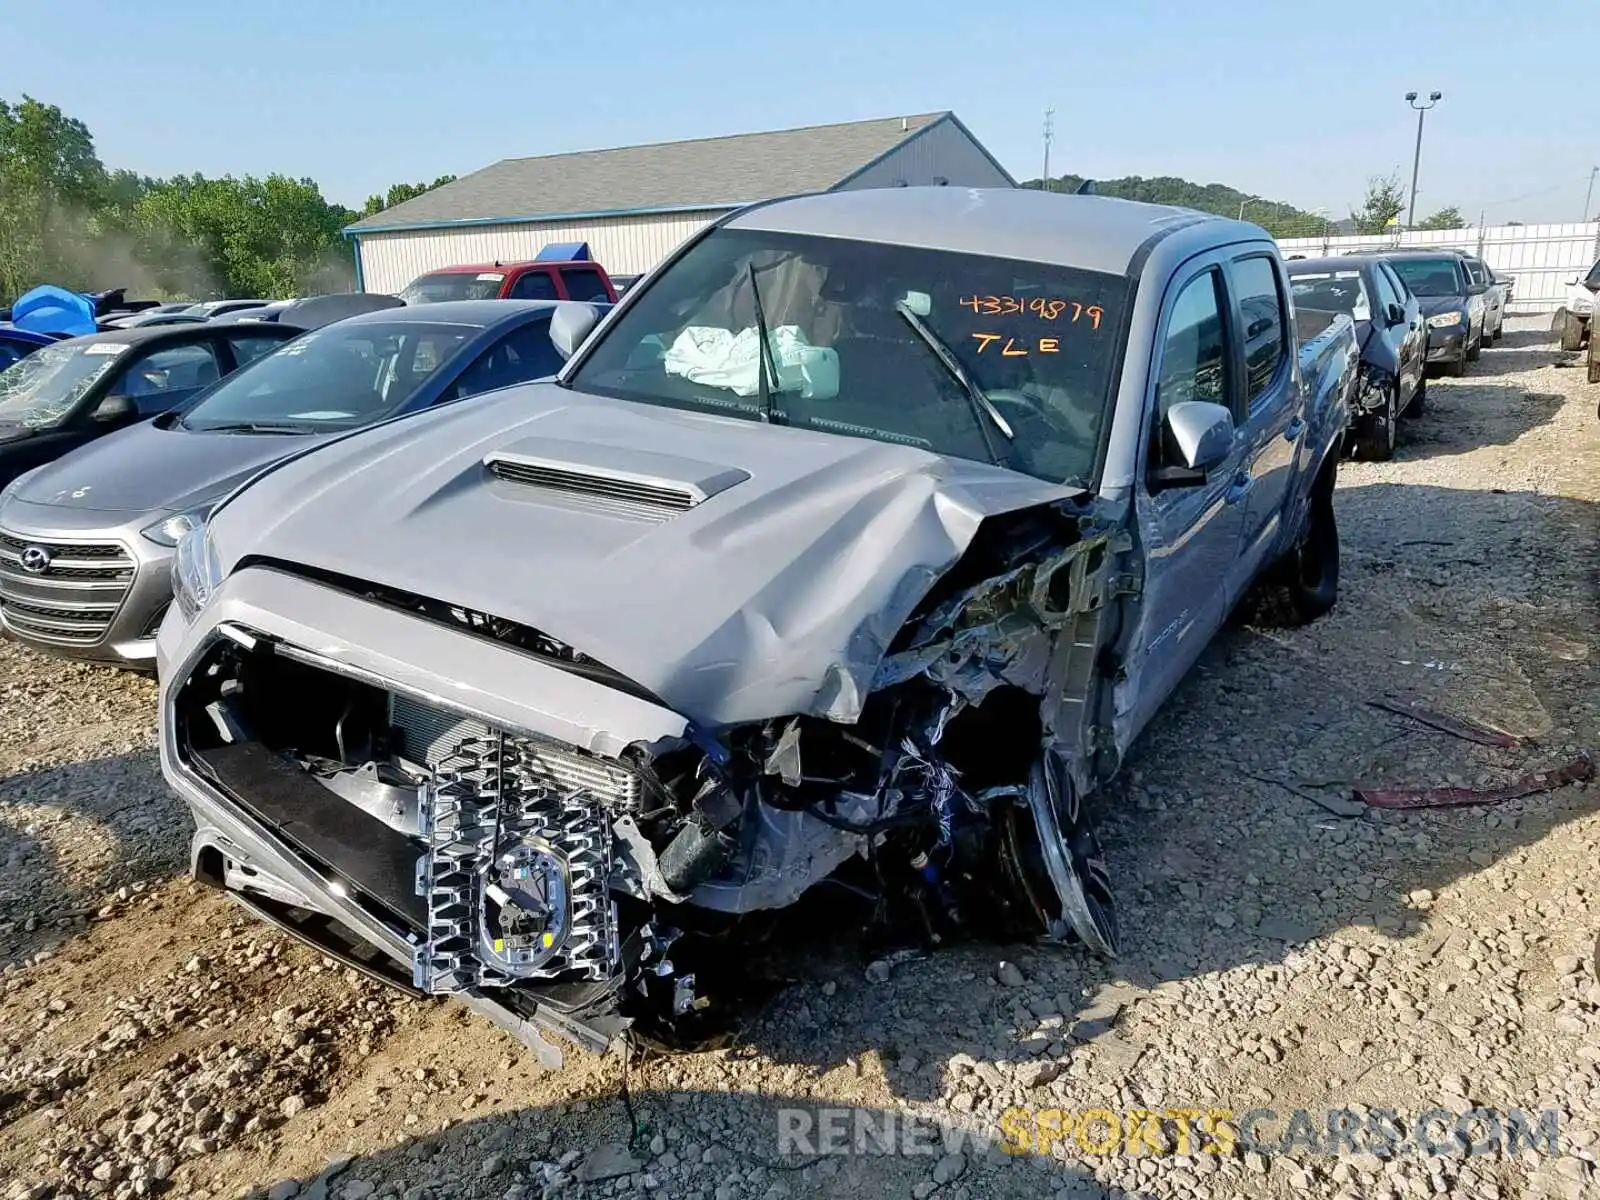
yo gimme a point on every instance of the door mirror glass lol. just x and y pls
(115, 408)
(1477, 289)
(1200, 434)
(1397, 315)
(570, 324)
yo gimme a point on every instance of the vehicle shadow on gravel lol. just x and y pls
(1463, 414)
(672, 1142)
(1218, 857)
(71, 835)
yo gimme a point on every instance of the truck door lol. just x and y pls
(1272, 425)
(1190, 534)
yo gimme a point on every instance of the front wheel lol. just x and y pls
(1419, 398)
(1474, 349)
(1570, 330)
(1375, 431)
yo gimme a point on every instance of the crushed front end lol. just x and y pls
(462, 806)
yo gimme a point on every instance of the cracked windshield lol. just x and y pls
(43, 388)
(878, 341)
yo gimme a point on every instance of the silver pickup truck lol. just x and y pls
(858, 543)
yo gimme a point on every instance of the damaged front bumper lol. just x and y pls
(453, 815)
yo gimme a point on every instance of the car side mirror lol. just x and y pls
(570, 324)
(114, 409)
(1477, 289)
(1200, 434)
(1397, 314)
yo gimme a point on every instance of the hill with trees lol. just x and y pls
(1277, 217)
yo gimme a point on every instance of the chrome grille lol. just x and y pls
(429, 735)
(72, 601)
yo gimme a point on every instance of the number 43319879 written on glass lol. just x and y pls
(1040, 306)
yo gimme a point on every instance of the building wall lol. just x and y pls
(943, 151)
(625, 245)
(1542, 258)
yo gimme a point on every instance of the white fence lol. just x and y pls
(1543, 258)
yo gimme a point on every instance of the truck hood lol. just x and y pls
(770, 582)
(147, 469)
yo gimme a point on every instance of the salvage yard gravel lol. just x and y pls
(1290, 955)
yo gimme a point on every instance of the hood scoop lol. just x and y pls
(619, 481)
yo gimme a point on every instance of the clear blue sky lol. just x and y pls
(1299, 107)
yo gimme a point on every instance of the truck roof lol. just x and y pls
(1096, 233)
(470, 268)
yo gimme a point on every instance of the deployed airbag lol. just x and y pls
(723, 359)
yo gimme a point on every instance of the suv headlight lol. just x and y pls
(196, 571)
(1446, 319)
(169, 531)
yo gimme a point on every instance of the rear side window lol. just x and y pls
(1261, 310)
(248, 349)
(524, 354)
(586, 285)
(534, 285)
(166, 377)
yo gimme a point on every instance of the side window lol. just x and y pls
(1475, 272)
(167, 377)
(1593, 278)
(1387, 272)
(524, 354)
(584, 283)
(248, 349)
(1386, 292)
(1194, 354)
(1261, 310)
(534, 285)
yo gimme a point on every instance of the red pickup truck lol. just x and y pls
(557, 274)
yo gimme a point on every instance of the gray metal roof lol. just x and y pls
(1095, 233)
(720, 172)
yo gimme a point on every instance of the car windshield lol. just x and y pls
(340, 377)
(1039, 342)
(1335, 291)
(1430, 276)
(43, 388)
(453, 285)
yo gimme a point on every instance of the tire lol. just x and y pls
(1456, 367)
(1375, 431)
(1419, 398)
(1570, 330)
(1474, 350)
(1594, 358)
(1304, 584)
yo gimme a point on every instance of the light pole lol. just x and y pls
(1589, 195)
(1416, 160)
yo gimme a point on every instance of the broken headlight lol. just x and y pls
(196, 571)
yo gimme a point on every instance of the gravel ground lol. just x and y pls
(1281, 952)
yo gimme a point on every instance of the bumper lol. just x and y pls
(235, 849)
(1445, 345)
(99, 598)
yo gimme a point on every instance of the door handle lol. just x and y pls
(1295, 428)
(1240, 486)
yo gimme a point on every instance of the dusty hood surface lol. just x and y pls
(148, 469)
(776, 593)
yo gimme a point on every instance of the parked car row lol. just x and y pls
(859, 540)
(1413, 310)
(1574, 322)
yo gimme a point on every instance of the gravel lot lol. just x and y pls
(153, 1038)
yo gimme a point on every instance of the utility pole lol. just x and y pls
(1589, 195)
(1246, 201)
(1049, 132)
(1416, 160)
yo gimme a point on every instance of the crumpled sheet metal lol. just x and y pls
(1576, 771)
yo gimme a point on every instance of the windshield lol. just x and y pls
(1430, 276)
(1038, 341)
(330, 379)
(46, 386)
(1334, 291)
(453, 285)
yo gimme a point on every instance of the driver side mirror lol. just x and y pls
(1477, 289)
(1200, 434)
(114, 409)
(570, 324)
(1397, 314)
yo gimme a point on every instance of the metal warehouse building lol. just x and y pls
(635, 204)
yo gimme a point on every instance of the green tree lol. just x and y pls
(1445, 218)
(399, 193)
(50, 182)
(1383, 202)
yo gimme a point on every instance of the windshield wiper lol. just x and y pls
(247, 427)
(763, 356)
(982, 406)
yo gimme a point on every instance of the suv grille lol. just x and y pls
(72, 599)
